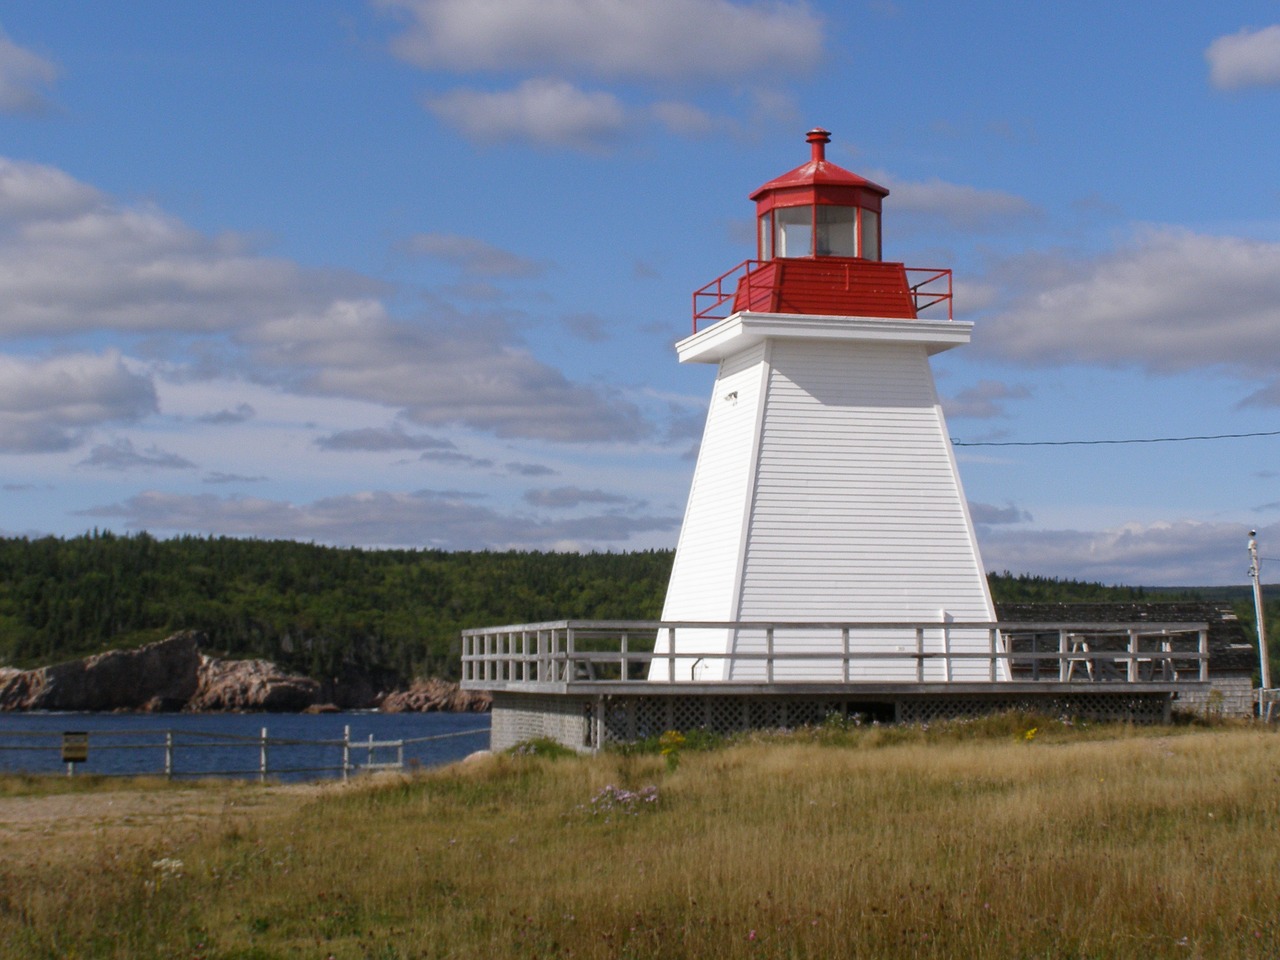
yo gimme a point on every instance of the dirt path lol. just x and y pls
(69, 826)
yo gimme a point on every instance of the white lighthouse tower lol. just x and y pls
(825, 491)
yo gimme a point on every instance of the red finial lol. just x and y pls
(818, 140)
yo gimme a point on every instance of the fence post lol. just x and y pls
(624, 666)
(1204, 656)
(346, 753)
(168, 754)
(1063, 666)
(919, 654)
(1132, 672)
(262, 758)
(991, 644)
(946, 648)
(671, 654)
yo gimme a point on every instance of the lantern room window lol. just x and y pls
(794, 229)
(869, 236)
(836, 234)
(822, 230)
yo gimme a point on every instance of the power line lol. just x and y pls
(1094, 443)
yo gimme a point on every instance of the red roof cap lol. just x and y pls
(819, 171)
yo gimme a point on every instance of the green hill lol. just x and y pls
(314, 608)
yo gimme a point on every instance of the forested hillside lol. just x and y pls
(313, 608)
(308, 607)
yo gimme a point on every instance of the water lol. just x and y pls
(229, 744)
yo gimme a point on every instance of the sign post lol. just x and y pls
(75, 748)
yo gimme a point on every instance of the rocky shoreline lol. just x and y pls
(173, 676)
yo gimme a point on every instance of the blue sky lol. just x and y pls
(409, 272)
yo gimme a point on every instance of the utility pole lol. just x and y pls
(1255, 574)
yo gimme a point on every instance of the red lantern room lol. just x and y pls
(819, 209)
(819, 247)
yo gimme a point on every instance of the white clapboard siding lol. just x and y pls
(705, 581)
(826, 490)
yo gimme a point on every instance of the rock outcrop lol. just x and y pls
(250, 686)
(427, 695)
(174, 675)
(158, 676)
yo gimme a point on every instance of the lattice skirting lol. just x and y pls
(583, 723)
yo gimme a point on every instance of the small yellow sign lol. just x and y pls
(75, 746)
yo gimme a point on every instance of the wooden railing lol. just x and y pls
(557, 653)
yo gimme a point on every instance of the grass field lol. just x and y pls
(1011, 837)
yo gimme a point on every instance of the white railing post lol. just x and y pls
(991, 646)
(1132, 672)
(768, 651)
(919, 654)
(346, 753)
(1062, 656)
(570, 666)
(168, 754)
(624, 666)
(262, 758)
(1204, 656)
(844, 644)
(671, 654)
(946, 649)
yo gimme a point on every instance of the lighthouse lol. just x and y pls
(826, 489)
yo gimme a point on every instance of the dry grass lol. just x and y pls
(831, 844)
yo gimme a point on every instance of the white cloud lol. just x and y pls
(49, 405)
(240, 414)
(544, 112)
(379, 439)
(1168, 553)
(377, 518)
(984, 400)
(122, 455)
(456, 459)
(71, 260)
(1171, 300)
(530, 469)
(563, 498)
(473, 256)
(688, 120)
(455, 369)
(657, 39)
(961, 206)
(23, 75)
(990, 515)
(34, 192)
(217, 476)
(586, 326)
(1250, 58)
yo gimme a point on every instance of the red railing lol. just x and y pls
(715, 291)
(932, 287)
